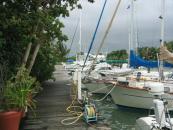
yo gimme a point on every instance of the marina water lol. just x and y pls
(118, 117)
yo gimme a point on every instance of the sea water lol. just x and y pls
(118, 117)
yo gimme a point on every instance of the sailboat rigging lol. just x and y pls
(135, 60)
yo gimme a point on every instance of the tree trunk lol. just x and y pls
(33, 57)
(27, 52)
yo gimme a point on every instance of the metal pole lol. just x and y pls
(132, 25)
(162, 35)
(129, 48)
(131, 31)
(80, 31)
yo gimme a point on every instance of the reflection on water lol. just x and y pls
(118, 118)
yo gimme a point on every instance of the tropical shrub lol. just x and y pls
(19, 90)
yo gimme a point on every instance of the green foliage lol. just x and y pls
(72, 58)
(169, 45)
(48, 56)
(44, 65)
(61, 51)
(36, 21)
(19, 90)
(117, 55)
(148, 53)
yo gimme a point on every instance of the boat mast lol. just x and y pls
(136, 37)
(78, 55)
(131, 32)
(129, 49)
(162, 17)
(80, 32)
(132, 25)
(163, 22)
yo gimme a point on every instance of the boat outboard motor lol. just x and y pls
(161, 120)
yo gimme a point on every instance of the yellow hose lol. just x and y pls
(71, 109)
(90, 110)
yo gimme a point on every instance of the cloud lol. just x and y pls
(146, 17)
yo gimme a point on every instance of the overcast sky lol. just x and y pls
(146, 17)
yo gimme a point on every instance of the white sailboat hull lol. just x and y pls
(137, 98)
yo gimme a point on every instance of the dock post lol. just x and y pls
(79, 84)
(75, 77)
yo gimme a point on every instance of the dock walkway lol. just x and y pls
(51, 105)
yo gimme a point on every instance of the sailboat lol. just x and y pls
(132, 91)
(102, 75)
(80, 56)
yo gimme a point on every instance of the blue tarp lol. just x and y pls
(136, 61)
(70, 60)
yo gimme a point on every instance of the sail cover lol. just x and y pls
(137, 61)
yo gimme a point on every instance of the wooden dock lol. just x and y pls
(51, 106)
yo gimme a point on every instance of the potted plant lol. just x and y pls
(17, 96)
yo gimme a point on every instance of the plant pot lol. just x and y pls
(23, 114)
(10, 120)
